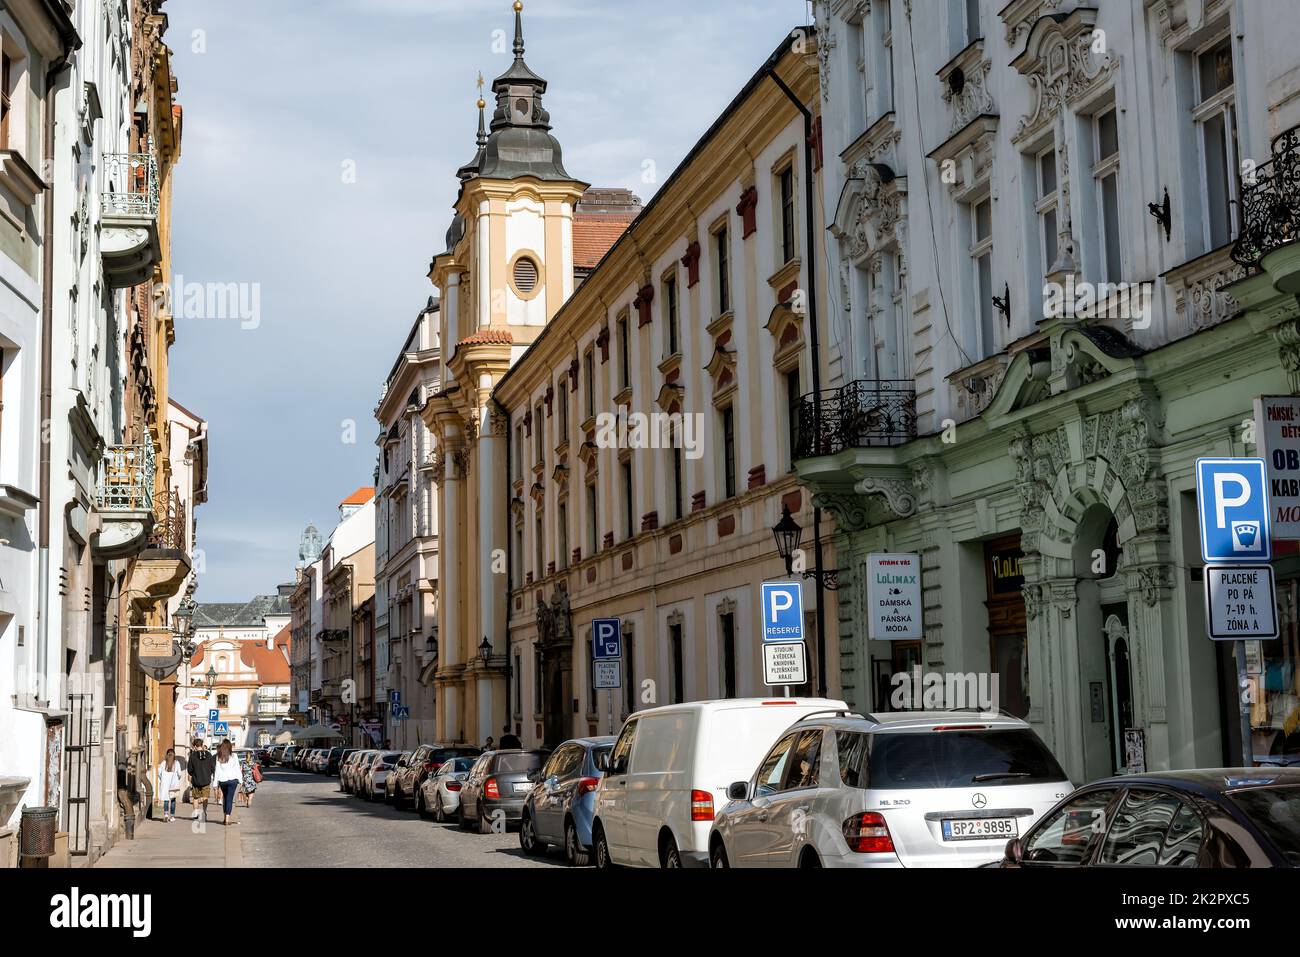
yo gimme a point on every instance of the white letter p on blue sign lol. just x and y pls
(782, 611)
(1232, 499)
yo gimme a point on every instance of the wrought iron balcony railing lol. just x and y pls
(169, 524)
(130, 185)
(126, 479)
(1270, 203)
(864, 413)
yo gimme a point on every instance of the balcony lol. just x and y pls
(129, 244)
(124, 499)
(163, 567)
(1270, 215)
(862, 414)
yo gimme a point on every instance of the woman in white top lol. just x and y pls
(228, 777)
(171, 777)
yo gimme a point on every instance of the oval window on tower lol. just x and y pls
(525, 276)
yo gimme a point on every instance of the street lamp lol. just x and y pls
(484, 650)
(787, 533)
(211, 675)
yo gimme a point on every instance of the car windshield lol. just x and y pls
(459, 765)
(954, 759)
(1276, 812)
(525, 761)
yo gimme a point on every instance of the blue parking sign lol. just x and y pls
(782, 611)
(1232, 497)
(606, 638)
(214, 715)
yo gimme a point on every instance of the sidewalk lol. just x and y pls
(181, 843)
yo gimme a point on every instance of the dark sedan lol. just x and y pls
(497, 787)
(426, 759)
(1231, 817)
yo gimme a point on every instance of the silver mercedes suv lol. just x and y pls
(902, 789)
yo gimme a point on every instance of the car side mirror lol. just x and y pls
(1015, 853)
(602, 762)
(738, 790)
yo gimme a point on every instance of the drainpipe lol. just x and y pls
(71, 42)
(814, 345)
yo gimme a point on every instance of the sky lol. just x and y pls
(320, 144)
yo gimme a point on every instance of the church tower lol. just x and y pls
(507, 269)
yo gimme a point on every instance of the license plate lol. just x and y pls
(521, 786)
(980, 828)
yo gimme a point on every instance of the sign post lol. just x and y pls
(784, 657)
(607, 660)
(1232, 499)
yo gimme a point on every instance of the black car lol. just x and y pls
(1230, 817)
(426, 759)
(336, 758)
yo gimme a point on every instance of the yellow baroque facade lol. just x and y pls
(560, 321)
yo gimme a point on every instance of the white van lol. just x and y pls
(670, 768)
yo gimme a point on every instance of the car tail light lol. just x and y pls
(780, 702)
(587, 785)
(701, 806)
(490, 789)
(432, 765)
(453, 785)
(867, 833)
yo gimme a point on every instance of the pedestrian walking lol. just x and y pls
(171, 777)
(509, 739)
(200, 767)
(249, 778)
(228, 777)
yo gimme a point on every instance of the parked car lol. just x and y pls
(558, 809)
(308, 760)
(374, 784)
(300, 759)
(907, 789)
(289, 755)
(329, 762)
(1226, 817)
(425, 759)
(348, 767)
(496, 787)
(670, 767)
(276, 753)
(441, 789)
(354, 770)
(337, 757)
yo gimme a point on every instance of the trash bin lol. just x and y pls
(39, 825)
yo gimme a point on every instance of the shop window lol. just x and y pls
(1008, 638)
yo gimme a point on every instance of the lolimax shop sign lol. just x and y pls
(894, 610)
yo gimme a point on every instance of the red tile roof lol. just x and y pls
(488, 336)
(359, 497)
(593, 237)
(271, 665)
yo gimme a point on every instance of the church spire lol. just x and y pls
(471, 169)
(520, 142)
(519, 29)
